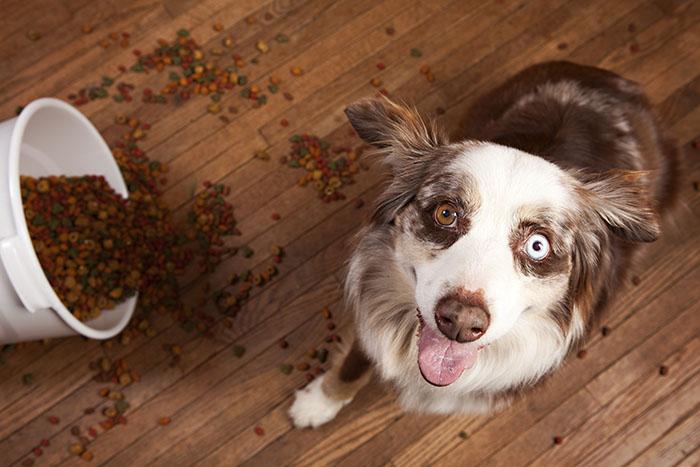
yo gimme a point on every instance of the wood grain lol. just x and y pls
(610, 408)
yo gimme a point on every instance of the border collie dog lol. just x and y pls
(487, 258)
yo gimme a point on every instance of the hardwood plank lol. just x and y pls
(625, 445)
(583, 438)
(674, 445)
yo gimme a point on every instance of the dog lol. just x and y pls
(487, 259)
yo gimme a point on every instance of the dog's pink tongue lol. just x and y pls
(441, 360)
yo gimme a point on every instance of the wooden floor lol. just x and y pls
(612, 407)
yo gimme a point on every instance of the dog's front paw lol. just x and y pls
(312, 407)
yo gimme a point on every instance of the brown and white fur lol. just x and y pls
(568, 153)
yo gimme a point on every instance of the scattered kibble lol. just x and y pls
(259, 431)
(87, 29)
(34, 35)
(663, 370)
(296, 71)
(238, 350)
(251, 20)
(416, 53)
(582, 354)
(54, 420)
(303, 366)
(463, 434)
(325, 174)
(634, 48)
(28, 379)
(163, 421)
(558, 440)
(77, 449)
(262, 47)
(218, 27)
(605, 331)
(286, 368)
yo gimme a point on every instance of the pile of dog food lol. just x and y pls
(89, 240)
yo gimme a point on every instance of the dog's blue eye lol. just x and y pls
(537, 247)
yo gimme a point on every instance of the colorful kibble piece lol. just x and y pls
(262, 47)
(238, 350)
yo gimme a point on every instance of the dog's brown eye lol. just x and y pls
(446, 215)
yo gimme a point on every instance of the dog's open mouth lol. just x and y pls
(441, 360)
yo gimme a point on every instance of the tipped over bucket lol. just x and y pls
(49, 137)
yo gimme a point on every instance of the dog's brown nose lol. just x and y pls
(462, 318)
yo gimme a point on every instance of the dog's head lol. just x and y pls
(491, 235)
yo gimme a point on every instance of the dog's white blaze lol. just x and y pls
(507, 181)
(524, 343)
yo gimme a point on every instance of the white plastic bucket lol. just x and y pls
(49, 137)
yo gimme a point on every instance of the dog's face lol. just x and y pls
(490, 234)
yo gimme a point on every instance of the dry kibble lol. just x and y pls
(76, 449)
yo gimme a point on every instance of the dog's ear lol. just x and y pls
(397, 131)
(621, 201)
(404, 141)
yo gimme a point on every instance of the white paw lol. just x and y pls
(312, 408)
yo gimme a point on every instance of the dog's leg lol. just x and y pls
(320, 401)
